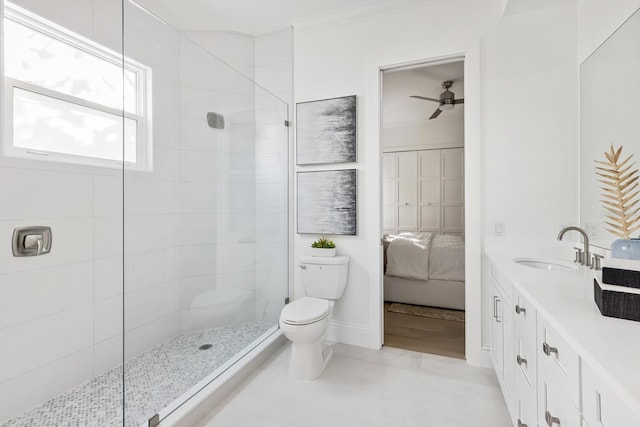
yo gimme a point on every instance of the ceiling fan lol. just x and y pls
(446, 101)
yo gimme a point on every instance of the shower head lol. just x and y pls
(215, 120)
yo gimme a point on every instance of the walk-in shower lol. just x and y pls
(162, 172)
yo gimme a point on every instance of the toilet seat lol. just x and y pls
(305, 311)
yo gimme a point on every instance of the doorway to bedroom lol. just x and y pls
(422, 138)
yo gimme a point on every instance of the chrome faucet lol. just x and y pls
(585, 258)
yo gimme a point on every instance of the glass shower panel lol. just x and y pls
(206, 245)
(272, 206)
(61, 341)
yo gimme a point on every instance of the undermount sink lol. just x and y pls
(546, 264)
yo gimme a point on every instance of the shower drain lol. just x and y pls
(205, 346)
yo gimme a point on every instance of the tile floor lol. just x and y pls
(153, 380)
(366, 388)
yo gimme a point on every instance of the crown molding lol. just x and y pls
(359, 12)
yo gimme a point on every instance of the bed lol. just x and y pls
(424, 269)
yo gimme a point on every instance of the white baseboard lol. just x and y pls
(349, 333)
(203, 402)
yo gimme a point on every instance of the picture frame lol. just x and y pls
(327, 202)
(326, 131)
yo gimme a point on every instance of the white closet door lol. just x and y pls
(390, 193)
(453, 191)
(399, 192)
(430, 189)
(407, 191)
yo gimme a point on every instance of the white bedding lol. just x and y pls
(425, 256)
(446, 260)
(408, 256)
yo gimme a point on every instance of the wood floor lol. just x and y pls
(423, 334)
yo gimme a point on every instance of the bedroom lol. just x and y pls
(422, 138)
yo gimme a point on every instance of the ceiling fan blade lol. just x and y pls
(425, 98)
(435, 114)
(458, 101)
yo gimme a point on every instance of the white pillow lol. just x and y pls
(408, 256)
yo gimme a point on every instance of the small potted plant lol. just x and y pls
(323, 247)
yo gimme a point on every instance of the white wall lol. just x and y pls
(529, 144)
(344, 60)
(530, 155)
(406, 123)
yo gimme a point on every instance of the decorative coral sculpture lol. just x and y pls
(620, 190)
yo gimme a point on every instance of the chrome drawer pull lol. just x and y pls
(547, 349)
(520, 310)
(520, 360)
(550, 419)
(521, 424)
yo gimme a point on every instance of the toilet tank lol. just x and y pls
(324, 277)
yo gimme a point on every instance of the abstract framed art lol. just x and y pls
(326, 131)
(327, 202)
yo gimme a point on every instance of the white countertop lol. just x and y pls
(610, 346)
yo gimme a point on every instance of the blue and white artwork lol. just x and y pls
(327, 202)
(326, 131)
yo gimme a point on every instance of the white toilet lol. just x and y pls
(305, 320)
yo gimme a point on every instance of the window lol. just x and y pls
(68, 99)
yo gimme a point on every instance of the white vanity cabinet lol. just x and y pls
(502, 336)
(602, 408)
(547, 374)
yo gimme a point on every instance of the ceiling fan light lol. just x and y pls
(446, 107)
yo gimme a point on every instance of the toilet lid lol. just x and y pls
(305, 310)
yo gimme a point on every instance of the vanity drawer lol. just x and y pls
(525, 356)
(525, 404)
(525, 314)
(560, 358)
(601, 407)
(555, 408)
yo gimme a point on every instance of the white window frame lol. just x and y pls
(144, 151)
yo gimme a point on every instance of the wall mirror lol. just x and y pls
(609, 114)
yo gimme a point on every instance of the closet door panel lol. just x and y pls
(389, 191)
(430, 190)
(407, 165)
(453, 219)
(407, 192)
(407, 220)
(389, 165)
(430, 218)
(389, 220)
(453, 162)
(453, 190)
(429, 163)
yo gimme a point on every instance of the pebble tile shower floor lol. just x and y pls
(153, 380)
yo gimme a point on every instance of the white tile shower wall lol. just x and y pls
(274, 73)
(69, 302)
(217, 191)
